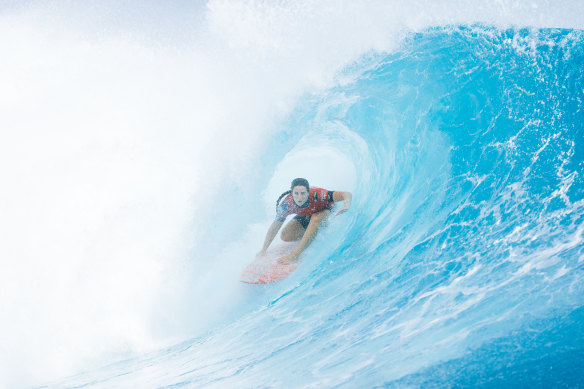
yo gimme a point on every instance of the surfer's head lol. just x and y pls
(300, 182)
(300, 190)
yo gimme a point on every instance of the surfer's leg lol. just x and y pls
(315, 220)
(308, 236)
(292, 231)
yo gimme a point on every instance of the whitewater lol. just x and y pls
(144, 145)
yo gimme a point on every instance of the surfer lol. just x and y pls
(311, 207)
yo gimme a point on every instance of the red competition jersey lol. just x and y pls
(318, 200)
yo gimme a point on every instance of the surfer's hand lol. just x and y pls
(285, 260)
(342, 210)
(261, 253)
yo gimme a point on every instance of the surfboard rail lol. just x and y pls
(265, 269)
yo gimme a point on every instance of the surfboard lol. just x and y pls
(265, 268)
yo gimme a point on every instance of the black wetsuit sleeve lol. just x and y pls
(280, 216)
(330, 196)
(280, 211)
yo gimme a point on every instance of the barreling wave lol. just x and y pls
(461, 262)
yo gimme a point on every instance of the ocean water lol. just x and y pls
(459, 264)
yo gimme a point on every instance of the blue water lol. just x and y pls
(461, 262)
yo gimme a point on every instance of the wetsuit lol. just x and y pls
(318, 200)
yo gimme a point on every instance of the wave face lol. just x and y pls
(462, 260)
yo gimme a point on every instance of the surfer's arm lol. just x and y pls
(272, 232)
(343, 196)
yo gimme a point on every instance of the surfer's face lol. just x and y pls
(300, 195)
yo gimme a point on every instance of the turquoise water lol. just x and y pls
(461, 262)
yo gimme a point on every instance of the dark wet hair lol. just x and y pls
(300, 182)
